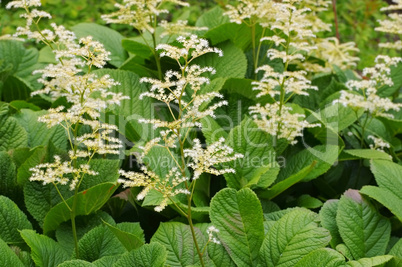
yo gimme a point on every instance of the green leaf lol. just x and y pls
(368, 154)
(389, 193)
(15, 88)
(107, 261)
(8, 257)
(38, 133)
(364, 231)
(137, 48)
(325, 156)
(153, 254)
(369, 262)
(76, 263)
(12, 219)
(44, 250)
(211, 130)
(177, 239)
(212, 18)
(108, 172)
(12, 54)
(287, 183)
(232, 65)
(259, 155)
(8, 175)
(129, 234)
(396, 251)
(330, 257)
(328, 220)
(35, 156)
(12, 135)
(309, 202)
(98, 243)
(131, 110)
(88, 201)
(111, 40)
(292, 237)
(239, 218)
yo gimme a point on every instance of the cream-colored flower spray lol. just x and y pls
(363, 94)
(144, 16)
(182, 89)
(87, 95)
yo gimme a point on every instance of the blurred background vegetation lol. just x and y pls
(357, 19)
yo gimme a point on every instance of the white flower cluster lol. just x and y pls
(379, 144)
(169, 185)
(179, 28)
(140, 14)
(363, 93)
(392, 25)
(212, 231)
(58, 171)
(280, 121)
(87, 95)
(204, 160)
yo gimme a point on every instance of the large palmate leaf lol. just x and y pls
(178, 241)
(97, 243)
(88, 201)
(111, 40)
(44, 250)
(153, 254)
(259, 155)
(363, 230)
(293, 236)
(239, 218)
(8, 257)
(389, 193)
(12, 219)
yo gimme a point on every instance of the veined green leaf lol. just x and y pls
(239, 218)
(318, 257)
(44, 250)
(12, 135)
(8, 176)
(12, 219)
(396, 251)
(153, 254)
(97, 243)
(8, 257)
(368, 154)
(177, 239)
(364, 231)
(129, 234)
(328, 220)
(292, 237)
(369, 262)
(76, 263)
(88, 201)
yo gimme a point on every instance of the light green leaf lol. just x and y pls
(368, 154)
(211, 130)
(129, 234)
(107, 261)
(389, 193)
(325, 156)
(309, 202)
(44, 251)
(8, 257)
(38, 133)
(232, 65)
(88, 201)
(12, 54)
(177, 239)
(328, 220)
(318, 257)
(153, 254)
(369, 262)
(35, 156)
(15, 88)
(76, 263)
(292, 237)
(212, 18)
(97, 243)
(137, 48)
(12, 219)
(364, 231)
(108, 172)
(12, 135)
(239, 218)
(259, 155)
(111, 40)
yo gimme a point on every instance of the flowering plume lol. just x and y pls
(182, 89)
(87, 94)
(392, 25)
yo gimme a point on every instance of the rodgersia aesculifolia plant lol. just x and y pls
(87, 96)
